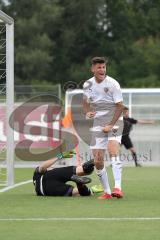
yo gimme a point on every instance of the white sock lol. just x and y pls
(103, 177)
(117, 171)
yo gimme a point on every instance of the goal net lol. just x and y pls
(6, 99)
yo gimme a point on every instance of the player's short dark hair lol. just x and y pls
(96, 60)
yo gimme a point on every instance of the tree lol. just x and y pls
(33, 45)
(55, 39)
(77, 39)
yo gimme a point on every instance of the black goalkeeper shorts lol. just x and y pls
(126, 141)
(54, 181)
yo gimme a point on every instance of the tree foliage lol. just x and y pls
(55, 39)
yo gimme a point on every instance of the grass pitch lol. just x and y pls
(26, 216)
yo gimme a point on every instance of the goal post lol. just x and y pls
(9, 24)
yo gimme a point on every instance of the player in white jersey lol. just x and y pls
(103, 102)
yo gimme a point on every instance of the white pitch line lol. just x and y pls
(14, 186)
(84, 219)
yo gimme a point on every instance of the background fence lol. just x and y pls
(143, 104)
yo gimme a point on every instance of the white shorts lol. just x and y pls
(100, 139)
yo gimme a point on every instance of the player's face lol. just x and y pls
(99, 71)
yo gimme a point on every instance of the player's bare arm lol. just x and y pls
(117, 114)
(47, 164)
(145, 121)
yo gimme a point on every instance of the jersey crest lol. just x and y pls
(106, 89)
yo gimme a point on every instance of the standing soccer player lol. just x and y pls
(126, 140)
(104, 103)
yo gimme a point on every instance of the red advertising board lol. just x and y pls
(47, 134)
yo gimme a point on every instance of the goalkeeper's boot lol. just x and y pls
(117, 193)
(105, 196)
(80, 180)
(97, 188)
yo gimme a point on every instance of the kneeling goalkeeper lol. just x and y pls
(53, 182)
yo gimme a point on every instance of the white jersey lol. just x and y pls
(108, 90)
(102, 98)
(104, 95)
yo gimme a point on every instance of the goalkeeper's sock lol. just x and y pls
(103, 177)
(134, 155)
(83, 190)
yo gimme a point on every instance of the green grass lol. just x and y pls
(142, 199)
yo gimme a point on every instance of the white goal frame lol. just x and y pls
(130, 91)
(9, 23)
